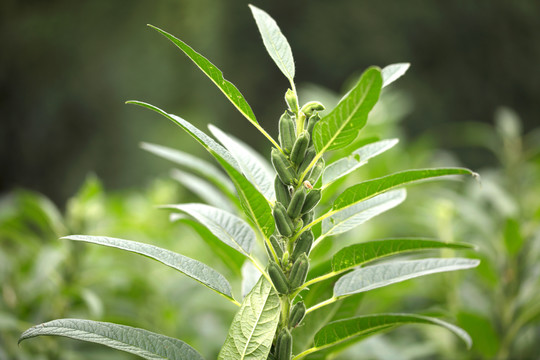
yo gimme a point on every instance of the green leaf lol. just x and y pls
(275, 42)
(190, 267)
(143, 343)
(352, 162)
(250, 277)
(363, 326)
(227, 227)
(252, 330)
(380, 275)
(202, 167)
(341, 126)
(370, 188)
(255, 205)
(254, 166)
(253, 202)
(359, 254)
(202, 189)
(348, 218)
(230, 91)
(393, 72)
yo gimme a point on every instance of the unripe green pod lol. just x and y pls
(316, 172)
(312, 106)
(282, 192)
(297, 314)
(312, 199)
(303, 244)
(287, 131)
(313, 119)
(300, 147)
(308, 157)
(292, 101)
(283, 167)
(308, 218)
(284, 345)
(299, 271)
(277, 245)
(278, 278)
(297, 203)
(284, 223)
(285, 258)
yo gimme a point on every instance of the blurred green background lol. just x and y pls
(71, 161)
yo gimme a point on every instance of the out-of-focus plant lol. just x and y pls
(280, 214)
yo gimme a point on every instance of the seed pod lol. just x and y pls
(297, 314)
(287, 131)
(303, 244)
(312, 199)
(313, 119)
(278, 278)
(316, 172)
(308, 157)
(292, 101)
(284, 223)
(308, 218)
(299, 272)
(284, 167)
(282, 192)
(312, 106)
(297, 203)
(300, 147)
(284, 345)
(277, 245)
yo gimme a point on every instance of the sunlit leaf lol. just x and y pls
(190, 267)
(275, 42)
(380, 275)
(250, 277)
(252, 330)
(352, 162)
(143, 343)
(341, 126)
(393, 72)
(227, 227)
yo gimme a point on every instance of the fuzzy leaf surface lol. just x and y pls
(393, 72)
(370, 188)
(227, 227)
(341, 126)
(363, 326)
(359, 254)
(275, 42)
(252, 330)
(140, 342)
(380, 275)
(254, 167)
(357, 159)
(190, 267)
(349, 217)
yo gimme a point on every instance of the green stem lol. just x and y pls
(321, 304)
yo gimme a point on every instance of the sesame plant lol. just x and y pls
(272, 217)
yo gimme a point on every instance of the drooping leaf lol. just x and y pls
(352, 162)
(203, 189)
(253, 202)
(370, 188)
(341, 126)
(380, 275)
(363, 326)
(254, 166)
(202, 167)
(143, 343)
(359, 254)
(348, 218)
(190, 267)
(227, 227)
(252, 330)
(393, 72)
(275, 42)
